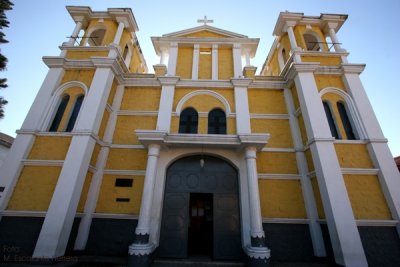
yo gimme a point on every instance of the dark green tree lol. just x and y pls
(4, 6)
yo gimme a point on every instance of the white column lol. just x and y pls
(75, 33)
(195, 66)
(292, 39)
(247, 56)
(118, 34)
(334, 39)
(214, 66)
(94, 189)
(163, 56)
(173, 57)
(379, 151)
(143, 227)
(256, 229)
(166, 103)
(308, 194)
(345, 239)
(242, 106)
(56, 228)
(237, 61)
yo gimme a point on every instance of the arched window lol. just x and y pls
(311, 41)
(96, 37)
(188, 121)
(74, 114)
(284, 55)
(59, 114)
(216, 121)
(331, 121)
(125, 53)
(345, 121)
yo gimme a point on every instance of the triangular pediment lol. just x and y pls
(205, 31)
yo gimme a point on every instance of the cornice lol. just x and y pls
(296, 68)
(204, 83)
(168, 80)
(352, 68)
(241, 82)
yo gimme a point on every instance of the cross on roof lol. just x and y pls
(205, 20)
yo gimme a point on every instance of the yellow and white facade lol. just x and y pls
(91, 164)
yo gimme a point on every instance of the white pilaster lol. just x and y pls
(143, 227)
(379, 151)
(237, 61)
(214, 66)
(345, 239)
(166, 103)
(56, 228)
(195, 66)
(308, 194)
(173, 57)
(256, 229)
(242, 106)
(94, 189)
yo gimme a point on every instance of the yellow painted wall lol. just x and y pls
(85, 54)
(299, 30)
(323, 60)
(231, 126)
(141, 98)
(202, 125)
(273, 63)
(366, 197)
(127, 159)
(84, 76)
(113, 90)
(204, 34)
(34, 188)
(227, 93)
(184, 62)
(109, 193)
(303, 130)
(109, 25)
(353, 156)
(317, 197)
(266, 101)
(324, 81)
(95, 154)
(225, 63)
(203, 103)
(281, 199)
(85, 190)
(310, 162)
(276, 162)
(205, 62)
(50, 148)
(279, 130)
(126, 126)
(103, 124)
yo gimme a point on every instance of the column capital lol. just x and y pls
(214, 46)
(241, 82)
(288, 24)
(168, 80)
(196, 46)
(251, 153)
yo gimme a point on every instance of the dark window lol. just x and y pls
(123, 182)
(284, 56)
(126, 50)
(122, 199)
(311, 42)
(346, 121)
(74, 114)
(188, 121)
(331, 121)
(59, 114)
(216, 121)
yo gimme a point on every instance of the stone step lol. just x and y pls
(196, 263)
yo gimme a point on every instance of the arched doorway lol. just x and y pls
(201, 214)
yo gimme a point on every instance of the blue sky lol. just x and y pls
(370, 35)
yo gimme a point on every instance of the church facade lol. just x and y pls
(203, 157)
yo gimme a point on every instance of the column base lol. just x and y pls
(140, 260)
(140, 255)
(253, 262)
